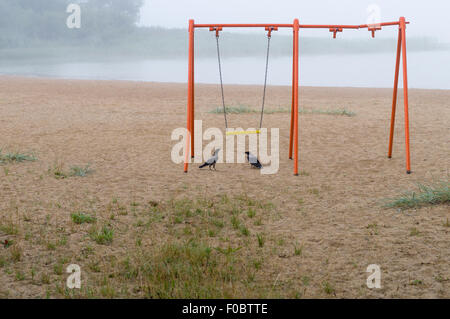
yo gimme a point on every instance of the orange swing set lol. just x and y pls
(294, 132)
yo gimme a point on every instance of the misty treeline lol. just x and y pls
(109, 28)
(25, 23)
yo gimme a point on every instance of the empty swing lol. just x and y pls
(258, 131)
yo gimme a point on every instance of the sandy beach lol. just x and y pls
(333, 212)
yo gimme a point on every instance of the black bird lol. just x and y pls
(253, 160)
(212, 161)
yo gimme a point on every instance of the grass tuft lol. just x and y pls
(427, 195)
(243, 109)
(16, 157)
(80, 171)
(102, 237)
(82, 218)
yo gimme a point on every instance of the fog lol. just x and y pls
(147, 41)
(429, 18)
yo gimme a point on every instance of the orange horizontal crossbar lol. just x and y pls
(262, 25)
(301, 26)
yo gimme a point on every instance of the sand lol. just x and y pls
(123, 130)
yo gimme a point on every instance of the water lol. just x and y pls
(428, 70)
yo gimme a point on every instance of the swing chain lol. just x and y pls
(269, 37)
(221, 78)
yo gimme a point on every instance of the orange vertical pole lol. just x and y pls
(405, 94)
(296, 56)
(291, 136)
(190, 99)
(192, 55)
(394, 98)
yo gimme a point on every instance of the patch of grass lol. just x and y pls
(427, 195)
(261, 240)
(298, 250)
(58, 269)
(414, 232)
(3, 262)
(243, 109)
(306, 280)
(416, 282)
(218, 223)
(210, 254)
(16, 157)
(235, 222)
(251, 213)
(102, 237)
(80, 171)
(9, 228)
(187, 270)
(16, 253)
(57, 171)
(328, 288)
(20, 276)
(211, 233)
(257, 264)
(244, 231)
(372, 226)
(338, 112)
(45, 279)
(82, 218)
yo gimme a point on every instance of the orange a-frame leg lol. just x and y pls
(401, 49)
(295, 89)
(394, 98)
(291, 135)
(190, 99)
(405, 94)
(192, 56)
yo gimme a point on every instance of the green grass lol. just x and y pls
(243, 109)
(58, 171)
(215, 251)
(327, 288)
(82, 218)
(338, 112)
(240, 109)
(416, 282)
(298, 250)
(186, 270)
(427, 195)
(16, 157)
(20, 276)
(80, 171)
(102, 237)
(261, 240)
(414, 232)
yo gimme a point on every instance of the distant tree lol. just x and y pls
(30, 22)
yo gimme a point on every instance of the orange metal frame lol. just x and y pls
(296, 26)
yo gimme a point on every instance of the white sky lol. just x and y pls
(428, 18)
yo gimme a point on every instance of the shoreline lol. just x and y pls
(54, 78)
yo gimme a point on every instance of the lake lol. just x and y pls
(428, 70)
